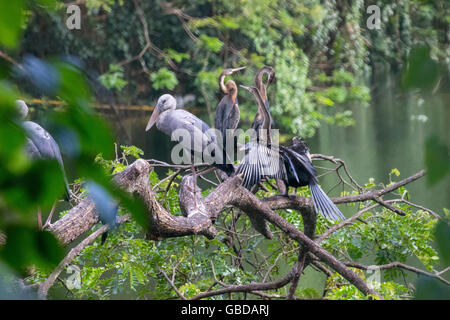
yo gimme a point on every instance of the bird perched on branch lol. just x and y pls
(258, 120)
(194, 135)
(292, 165)
(41, 145)
(227, 112)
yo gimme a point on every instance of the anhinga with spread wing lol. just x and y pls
(292, 165)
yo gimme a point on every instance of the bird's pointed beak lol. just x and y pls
(237, 69)
(152, 119)
(231, 71)
(245, 87)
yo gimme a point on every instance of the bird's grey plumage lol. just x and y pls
(193, 134)
(199, 132)
(23, 108)
(227, 115)
(39, 143)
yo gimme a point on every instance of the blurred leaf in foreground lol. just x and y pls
(437, 159)
(420, 71)
(26, 247)
(442, 234)
(11, 19)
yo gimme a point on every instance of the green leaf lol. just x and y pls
(41, 185)
(73, 88)
(132, 151)
(113, 79)
(26, 247)
(395, 171)
(420, 71)
(442, 235)
(11, 19)
(164, 79)
(177, 56)
(210, 43)
(437, 160)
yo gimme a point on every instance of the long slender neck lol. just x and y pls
(232, 92)
(222, 84)
(260, 85)
(262, 109)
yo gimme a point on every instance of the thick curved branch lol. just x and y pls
(83, 216)
(199, 219)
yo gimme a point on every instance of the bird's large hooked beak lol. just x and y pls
(152, 119)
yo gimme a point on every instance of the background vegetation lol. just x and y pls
(130, 52)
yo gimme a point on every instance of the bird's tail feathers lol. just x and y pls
(324, 204)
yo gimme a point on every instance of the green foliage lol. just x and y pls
(210, 43)
(340, 290)
(94, 6)
(132, 151)
(164, 79)
(113, 79)
(128, 265)
(26, 247)
(389, 237)
(322, 51)
(27, 185)
(420, 71)
(177, 56)
(11, 19)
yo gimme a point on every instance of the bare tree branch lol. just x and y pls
(397, 264)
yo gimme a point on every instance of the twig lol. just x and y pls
(172, 284)
(74, 252)
(397, 264)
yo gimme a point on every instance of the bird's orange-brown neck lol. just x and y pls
(231, 90)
